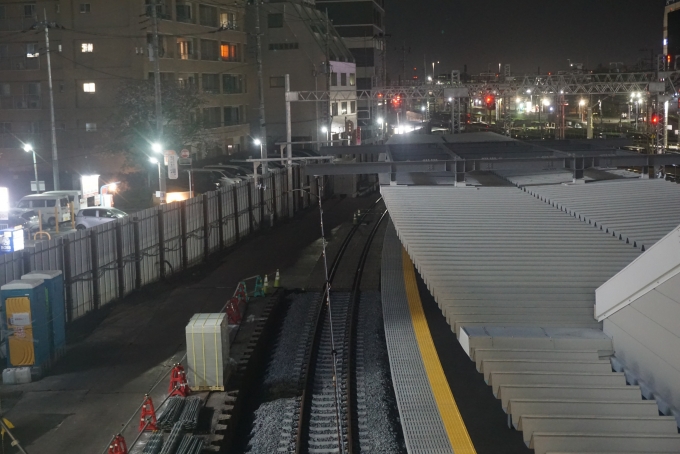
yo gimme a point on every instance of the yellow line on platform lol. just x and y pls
(448, 410)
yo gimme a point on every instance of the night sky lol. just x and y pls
(525, 33)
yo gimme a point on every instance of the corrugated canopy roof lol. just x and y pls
(498, 256)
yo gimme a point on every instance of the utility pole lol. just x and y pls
(260, 86)
(55, 157)
(328, 75)
(157, 92)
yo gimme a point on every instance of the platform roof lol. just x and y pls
(640, 212)
(499, 256)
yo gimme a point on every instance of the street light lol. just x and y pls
(111, 187)
(29, 148)
(153, 160)
(258, 143)
(158, 148)
(324, 130)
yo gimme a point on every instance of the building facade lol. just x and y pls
(671, 31)
(97, 45)
(361, 23)
(298, 40)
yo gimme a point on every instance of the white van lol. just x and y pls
(73, 197)
(48, 205)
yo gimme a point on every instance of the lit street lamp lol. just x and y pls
(258, 143)
(324, 130)
(153, 160)
(158, 148)
(29, 148)
(111, 187)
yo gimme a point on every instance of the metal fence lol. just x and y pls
(110, 261)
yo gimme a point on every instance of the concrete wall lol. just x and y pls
(640, 308)
(646, 335)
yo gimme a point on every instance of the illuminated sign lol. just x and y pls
(11, 240)
(4, 203)
(89, 185)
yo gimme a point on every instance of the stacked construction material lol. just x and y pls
(173, 439)
(190, 445)
(189, 416)
(207, 351)
(173, 410)
(154, 445)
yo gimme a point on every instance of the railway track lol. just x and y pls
(327, 419)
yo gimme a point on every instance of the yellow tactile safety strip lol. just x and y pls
(448, 410)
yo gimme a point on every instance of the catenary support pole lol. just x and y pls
(260, 86)
(289, 148)
(53, 127)
(157, 95)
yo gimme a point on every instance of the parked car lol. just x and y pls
(202, 181)
(28, 220)
(48, 205)
(233, 171)
(91, 217)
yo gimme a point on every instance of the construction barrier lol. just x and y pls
(118, 445)
(178, 382)
(147, 420)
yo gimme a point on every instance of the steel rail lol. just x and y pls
(304, 417)
(355, 294)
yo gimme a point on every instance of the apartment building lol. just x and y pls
(296, 40)
(97, 45)
(671, 31)
(361, 23)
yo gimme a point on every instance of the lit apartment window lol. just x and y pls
(90, 127)
(84, 8)
(32, 50)
(228, 21)
(344, 108)
(88, 87)
(229, 52)
(352, 79)
(343, 79)
(86, 47)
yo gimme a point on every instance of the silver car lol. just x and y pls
(91, 217)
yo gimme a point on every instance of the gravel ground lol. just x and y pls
(266, 433)
(384, 433)
(380, 422)
(283, 372)
(274, 418)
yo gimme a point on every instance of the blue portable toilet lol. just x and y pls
(54, 286)
(25, 322)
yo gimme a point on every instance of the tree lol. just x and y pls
(132, 127)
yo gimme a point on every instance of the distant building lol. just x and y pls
(103, 43)
(361, 23)
(671, 31)
(295, 41)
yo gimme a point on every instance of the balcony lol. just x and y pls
(9, 24)
(20, 102)
(19, 63)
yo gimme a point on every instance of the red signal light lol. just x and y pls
(655, 119)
